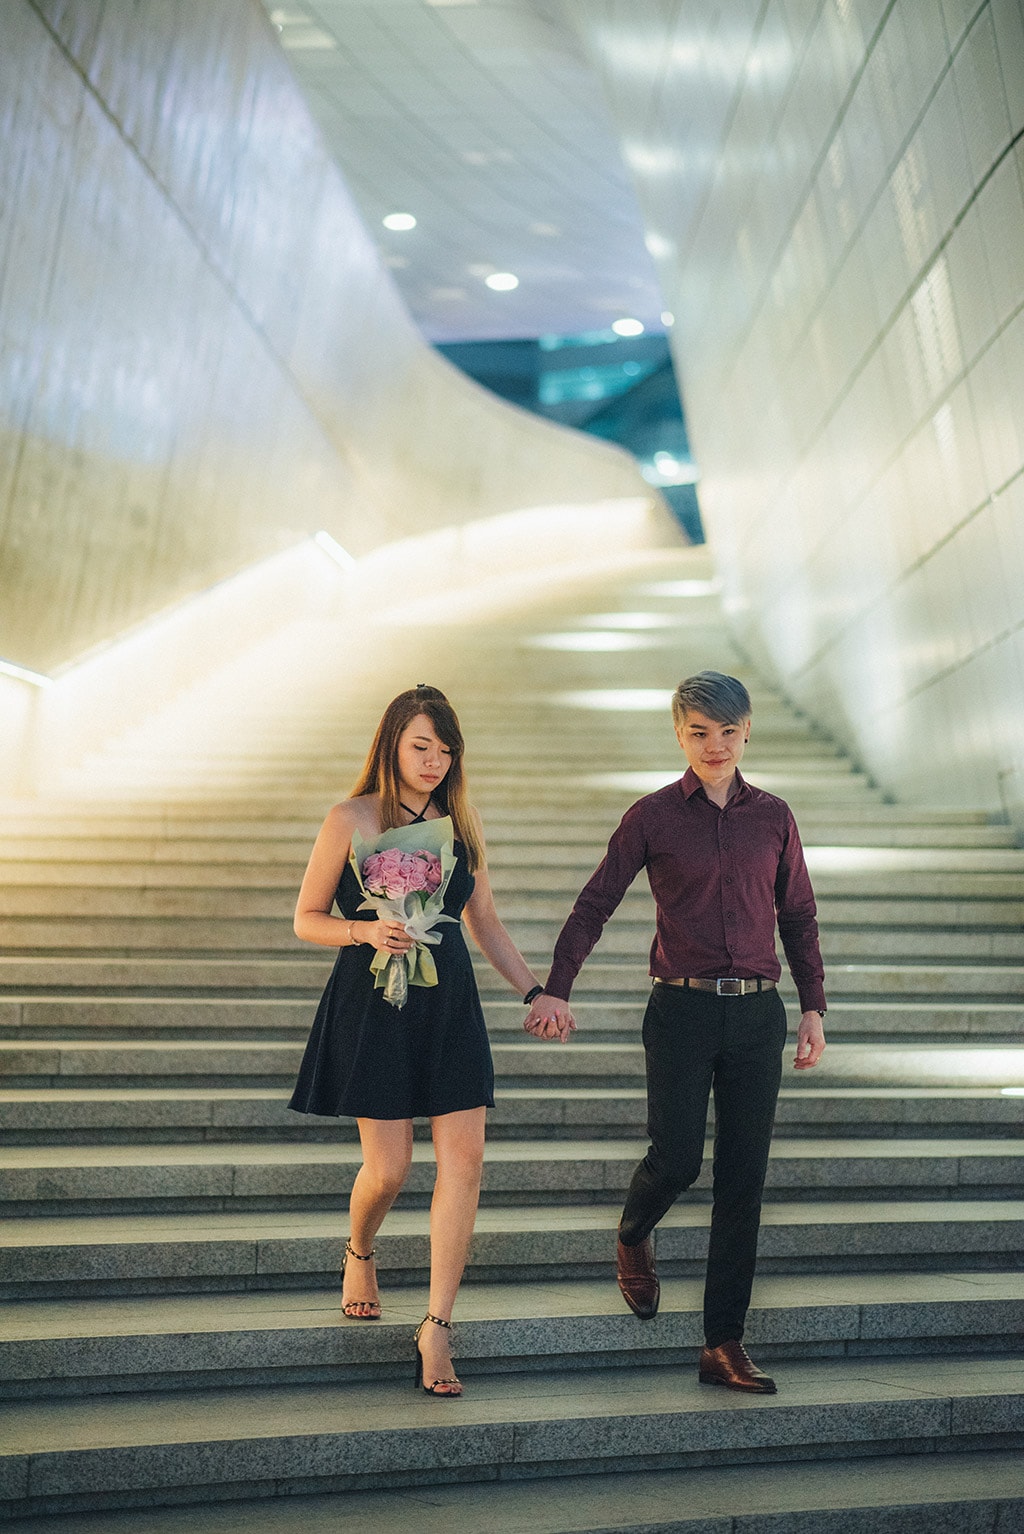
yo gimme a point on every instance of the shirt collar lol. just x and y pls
(690, 783)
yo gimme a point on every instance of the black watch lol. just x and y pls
(538, 990)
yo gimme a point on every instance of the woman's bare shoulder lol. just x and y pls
(362, 815)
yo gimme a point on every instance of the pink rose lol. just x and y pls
(394, 873)
(382, 873)
(423, 872)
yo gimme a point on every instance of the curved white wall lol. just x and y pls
(834, 195)
(203, 359)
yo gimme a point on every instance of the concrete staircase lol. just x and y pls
(170, 1324)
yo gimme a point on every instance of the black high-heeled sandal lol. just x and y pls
(349, 1307)
(431, 1389)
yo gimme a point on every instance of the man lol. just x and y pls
(724, 862)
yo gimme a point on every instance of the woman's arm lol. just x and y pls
(313, 920)
(489, 934)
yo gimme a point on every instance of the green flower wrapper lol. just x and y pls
(418, 912)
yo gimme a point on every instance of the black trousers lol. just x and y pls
(697, 1042)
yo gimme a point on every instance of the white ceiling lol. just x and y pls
(484, 120)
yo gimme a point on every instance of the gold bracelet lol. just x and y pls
(351, 940)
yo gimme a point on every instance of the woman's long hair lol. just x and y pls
(380, 771)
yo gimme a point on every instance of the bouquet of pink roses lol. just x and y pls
(407, 883)
(393, 873)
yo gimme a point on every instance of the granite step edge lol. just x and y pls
(167, 1255)
(952, 1493)
(214, 1176)
(352, 1437)
(195, 1343)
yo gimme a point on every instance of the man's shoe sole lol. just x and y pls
(750, 1390)
(642, 1313)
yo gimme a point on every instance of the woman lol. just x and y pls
(383, 1065)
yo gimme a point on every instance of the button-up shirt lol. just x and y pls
(720, 878)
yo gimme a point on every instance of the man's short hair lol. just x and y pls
(717, 697)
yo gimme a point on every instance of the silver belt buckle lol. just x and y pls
(729, 987)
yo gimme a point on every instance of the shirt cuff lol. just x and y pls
(812, 1000)
(559, 984)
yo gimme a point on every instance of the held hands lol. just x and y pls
(550, 1018)
(385, 934)
(810, 1041)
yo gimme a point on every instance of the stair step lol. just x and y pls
(320, 1438)
(97, 1178)
(299, 815)
(829, 846)
(224, 1251)
(58, 837)
(115, 1017)
(307, 973)
(540, 916)
(986, 874)
(176, 937)
(947, 1493)
(147, 1115)
(209, 1340)
(34, 1063)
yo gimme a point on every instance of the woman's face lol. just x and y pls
(423, 758)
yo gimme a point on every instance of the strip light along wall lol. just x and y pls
(332, 547)
(22, 674)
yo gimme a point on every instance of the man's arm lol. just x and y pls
(798, 927)
(626, 855)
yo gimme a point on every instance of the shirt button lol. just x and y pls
(728, 878)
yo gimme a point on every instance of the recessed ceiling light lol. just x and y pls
(634, 700)
(668, 319)
(502, 282)
(628, 621)
(667, 469)
(399, 221)
(627, 327)
(681, 589)
(595, 639)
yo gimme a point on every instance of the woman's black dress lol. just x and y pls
(368, 1059)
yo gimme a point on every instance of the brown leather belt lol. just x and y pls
(730, 986)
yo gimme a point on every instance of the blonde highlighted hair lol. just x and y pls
(380, 770)
(721, 698)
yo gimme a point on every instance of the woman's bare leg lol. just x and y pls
(387, 1152)
(459, 1149)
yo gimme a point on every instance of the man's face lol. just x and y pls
(713, 749)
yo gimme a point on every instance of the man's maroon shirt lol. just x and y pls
(721, 879)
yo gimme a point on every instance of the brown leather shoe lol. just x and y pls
(638, 1278)
(730, 1365)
